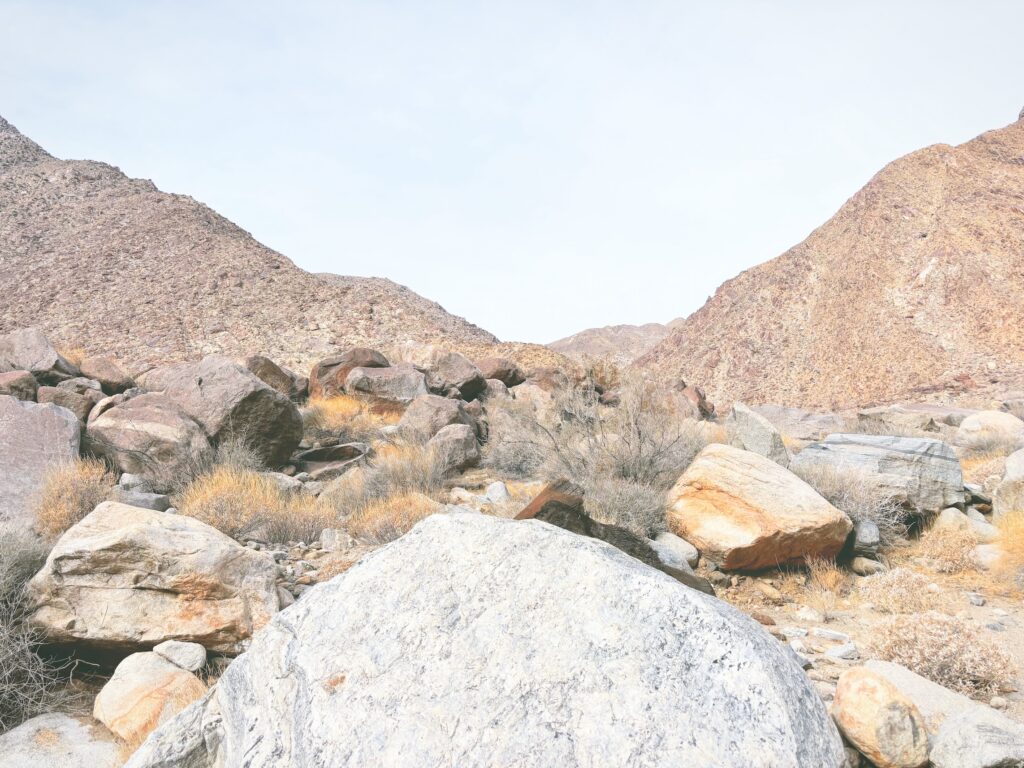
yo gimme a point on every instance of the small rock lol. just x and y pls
(975, 599)
(158, 502)
(770, 592)
(862, 566)
(998, 702)
(830, 634)
(188, 656)
(847, 651)
(497, 492)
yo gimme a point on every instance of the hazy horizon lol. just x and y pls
(538, 169)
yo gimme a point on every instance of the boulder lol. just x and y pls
(920, 417)
(502, 369)
(954, 520)
(428, 414)
(800, 425)
(751, 431)
(111, 376)
(80, 400)
(746, 512)
(57, 740)
(494, 390)
(188, 656)
(230, 402)
(330, 461)
(527, 646)
(705, 408)
(455, 448)
(21, 385)
(34, 439)
(979, 738)
(547, 379)
(29, 350)
(129, 578)
(447, 371)
(563, 491)
(920, 473)
(147, 435)
(399, 383)
(990, 430)
(867, 538)
(274, 376)
(1009, 494)
(881, 722)
(145, 691)
(673, 550)
(327, 378)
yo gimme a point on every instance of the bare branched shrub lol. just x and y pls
(601, 373)
(29, 685)
(69, 492)
(898, 591)
(855, 493)
(948, 550)
(635, 507)
(947, 650)
(384, 520)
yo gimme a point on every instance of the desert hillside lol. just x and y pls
(913, 287)
(620, 343)
(109, 263)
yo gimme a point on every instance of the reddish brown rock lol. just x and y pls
(108, 373)
(502, 369)
(327, 378)
(19, 384)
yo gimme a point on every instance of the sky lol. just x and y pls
(536, 167)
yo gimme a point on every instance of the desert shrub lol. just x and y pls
(235, 453)
(349, 418)
(824, 585)
(947, 550)
(859, 497)
(945, 649)
(898, 591)
(635, 507)
(241, 502)
(29, 684)
(69, 492)
(383, 520)
(601, 373)
(977, 468)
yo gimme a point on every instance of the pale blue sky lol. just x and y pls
(538, 168)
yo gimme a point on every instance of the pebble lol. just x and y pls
(830, 634)
(847, 651)
(975, 598)
(793, 631)
(998, 702)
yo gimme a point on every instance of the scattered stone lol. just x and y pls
(20, 385)
(29, 350)
(770, 593)
(327, 378)
(128, 578)
(33, 440)
(676, 549)
(108, 373)
(57, 740)
(879, 720)
(863, 566)
(146, 691)
(846, 651)
(131, 482)
(501, 369)
(830, 634)
(284, 483)
(188, 656)
(986, 556)
(323, 464)
(747, 512)
(333, 677)
(751, 431)
(975, 599)
(955, 520)
(398, 384)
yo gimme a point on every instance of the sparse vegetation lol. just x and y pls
(898, 591)
(348, 418)
(384, 520)
(633, 506)
(29, 684)
(825, 582)
(74, 354)
(945, 649)
(859, 497)
(947, 550)
(70, 492)
(1011, 543)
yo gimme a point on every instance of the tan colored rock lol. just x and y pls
(747, 512)
(19, 384)
(400, 383)
(145, 691)
(327, 377)
(501, 369)
(990, 429)
(111, 376)
(129, 578)
(57, 740)
(29, 349)
(879, 720)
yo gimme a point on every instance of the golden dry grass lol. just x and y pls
(351, 418)
(946, 550)
(384, 520)
(824, 585)
(900, 590)
(240, 502)
(1011, 543)
(70, 492)
(977, 467)
(73, 354)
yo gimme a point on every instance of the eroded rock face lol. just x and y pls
(108, 373)
(753, 432)
(34, 439)
(920, 473)
(59, 741)
(129, 578)
(274, 376)
(399, 383)
(28, 349)
(428, 414)
(497, 659)
(230, 402)
(21, 385)
(502, 369)
(746, 512)
(327, 377)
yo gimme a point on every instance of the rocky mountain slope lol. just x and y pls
(620, 343)
(913, 287)
(109, 263)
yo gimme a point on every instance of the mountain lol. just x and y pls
(915, 286)
(111, 264)
(619, 343)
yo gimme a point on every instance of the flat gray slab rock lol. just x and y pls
(34, 439)
(526, 645)
(59, 741)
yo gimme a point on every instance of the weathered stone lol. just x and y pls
(497, 493)
(34, 439)
(29, 350)
(864, 566)
(143, 499)
(20, 385)
(331, 461)
(273, 375)
(230, 403)
(327, 378)
(495, 390)
(1009, 494)
(502, 369)
(751, 431)
(955, 520)
(128, 578)
(473, 665)
(921, 473)
(800, 425)
(147, 435)
(563, 491)
(675, 550)
(746, 512)
(455, 448)
(428, 414)
(108, 373)
(881, 722)
(695, 395)
(188, 656)
(79, 404)
(399, 383)
(145, 691)
(985, 430)
(57, 740)
(979, 738)
(447, 370)
(866, 538)
(924, 417)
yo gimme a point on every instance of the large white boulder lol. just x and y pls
(129, 578)
(56, 740)
(526, 646)
(990, 430)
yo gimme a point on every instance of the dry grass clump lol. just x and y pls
(349, 418)
(977, 468)
(69, 492)
(947, 550)
(1011, 543)
(384, 520)
(29, 685)
(241, 502)
(947, 650)
(635, 507)
(73, 354)
(824, 585)
(855, 493)
(898, 591)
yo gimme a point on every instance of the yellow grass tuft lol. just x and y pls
(350, 417)
(384, 520)
(825, 582)
(947, 550)
(1011, 542)
(74, 355)
(70, 492)
(977, 467)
